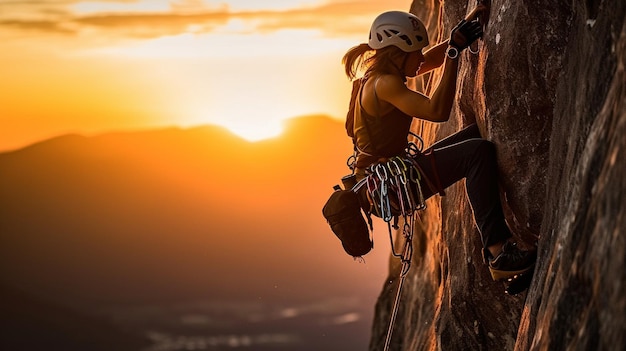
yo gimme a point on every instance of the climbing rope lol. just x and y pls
(406, 257)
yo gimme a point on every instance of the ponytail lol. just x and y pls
(380, 60)
(354, 59)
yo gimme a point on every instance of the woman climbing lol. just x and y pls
(382, 108)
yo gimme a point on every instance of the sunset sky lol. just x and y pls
(95, 66)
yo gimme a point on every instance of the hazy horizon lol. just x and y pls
(280, 133)
(153, 230)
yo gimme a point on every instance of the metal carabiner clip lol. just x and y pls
(385, 206)
(401, 173)
(475, 52)
(378, 172)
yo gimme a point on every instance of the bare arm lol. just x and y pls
(435, 109)
(434, 57)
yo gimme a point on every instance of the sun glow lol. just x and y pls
(256, 131)
(89, 66)
(247, 83)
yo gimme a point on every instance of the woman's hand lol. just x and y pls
(480, 12)
(465, 33)
(470, 28)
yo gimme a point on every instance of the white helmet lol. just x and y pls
(401, 29)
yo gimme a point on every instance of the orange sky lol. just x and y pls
(95, 66)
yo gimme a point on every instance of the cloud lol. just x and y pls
(47, 20)
(155, 25)
(36, 25)
(333, 19)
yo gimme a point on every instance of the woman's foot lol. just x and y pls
(511, 261)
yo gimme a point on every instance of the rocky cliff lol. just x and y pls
(548, 88)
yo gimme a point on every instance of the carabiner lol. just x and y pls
(378, 172)
(401, 172)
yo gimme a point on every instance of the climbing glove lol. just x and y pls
(465, 33)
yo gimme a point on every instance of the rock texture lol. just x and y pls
(548, 88)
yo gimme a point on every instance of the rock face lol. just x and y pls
(548, 88)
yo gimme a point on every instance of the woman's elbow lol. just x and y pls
(442, 113)
(436, 118)
(440, 116)
(443, 119)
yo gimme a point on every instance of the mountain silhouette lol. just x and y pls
(175, 214)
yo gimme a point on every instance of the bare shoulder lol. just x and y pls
(376, 90)
(389, 82)
(389, 86)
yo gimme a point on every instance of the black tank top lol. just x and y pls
(379, 136)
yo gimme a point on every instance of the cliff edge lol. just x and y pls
(547, 86)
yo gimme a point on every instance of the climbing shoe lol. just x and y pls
(511, 262)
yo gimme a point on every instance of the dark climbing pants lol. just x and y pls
(466, 155)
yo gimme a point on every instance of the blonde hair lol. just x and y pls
(363, 56)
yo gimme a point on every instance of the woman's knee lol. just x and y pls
(486, 145)
(472, 130)
(485, 149)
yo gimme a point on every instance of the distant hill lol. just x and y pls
(171, 214)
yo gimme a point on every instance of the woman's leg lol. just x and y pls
(465, 155)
